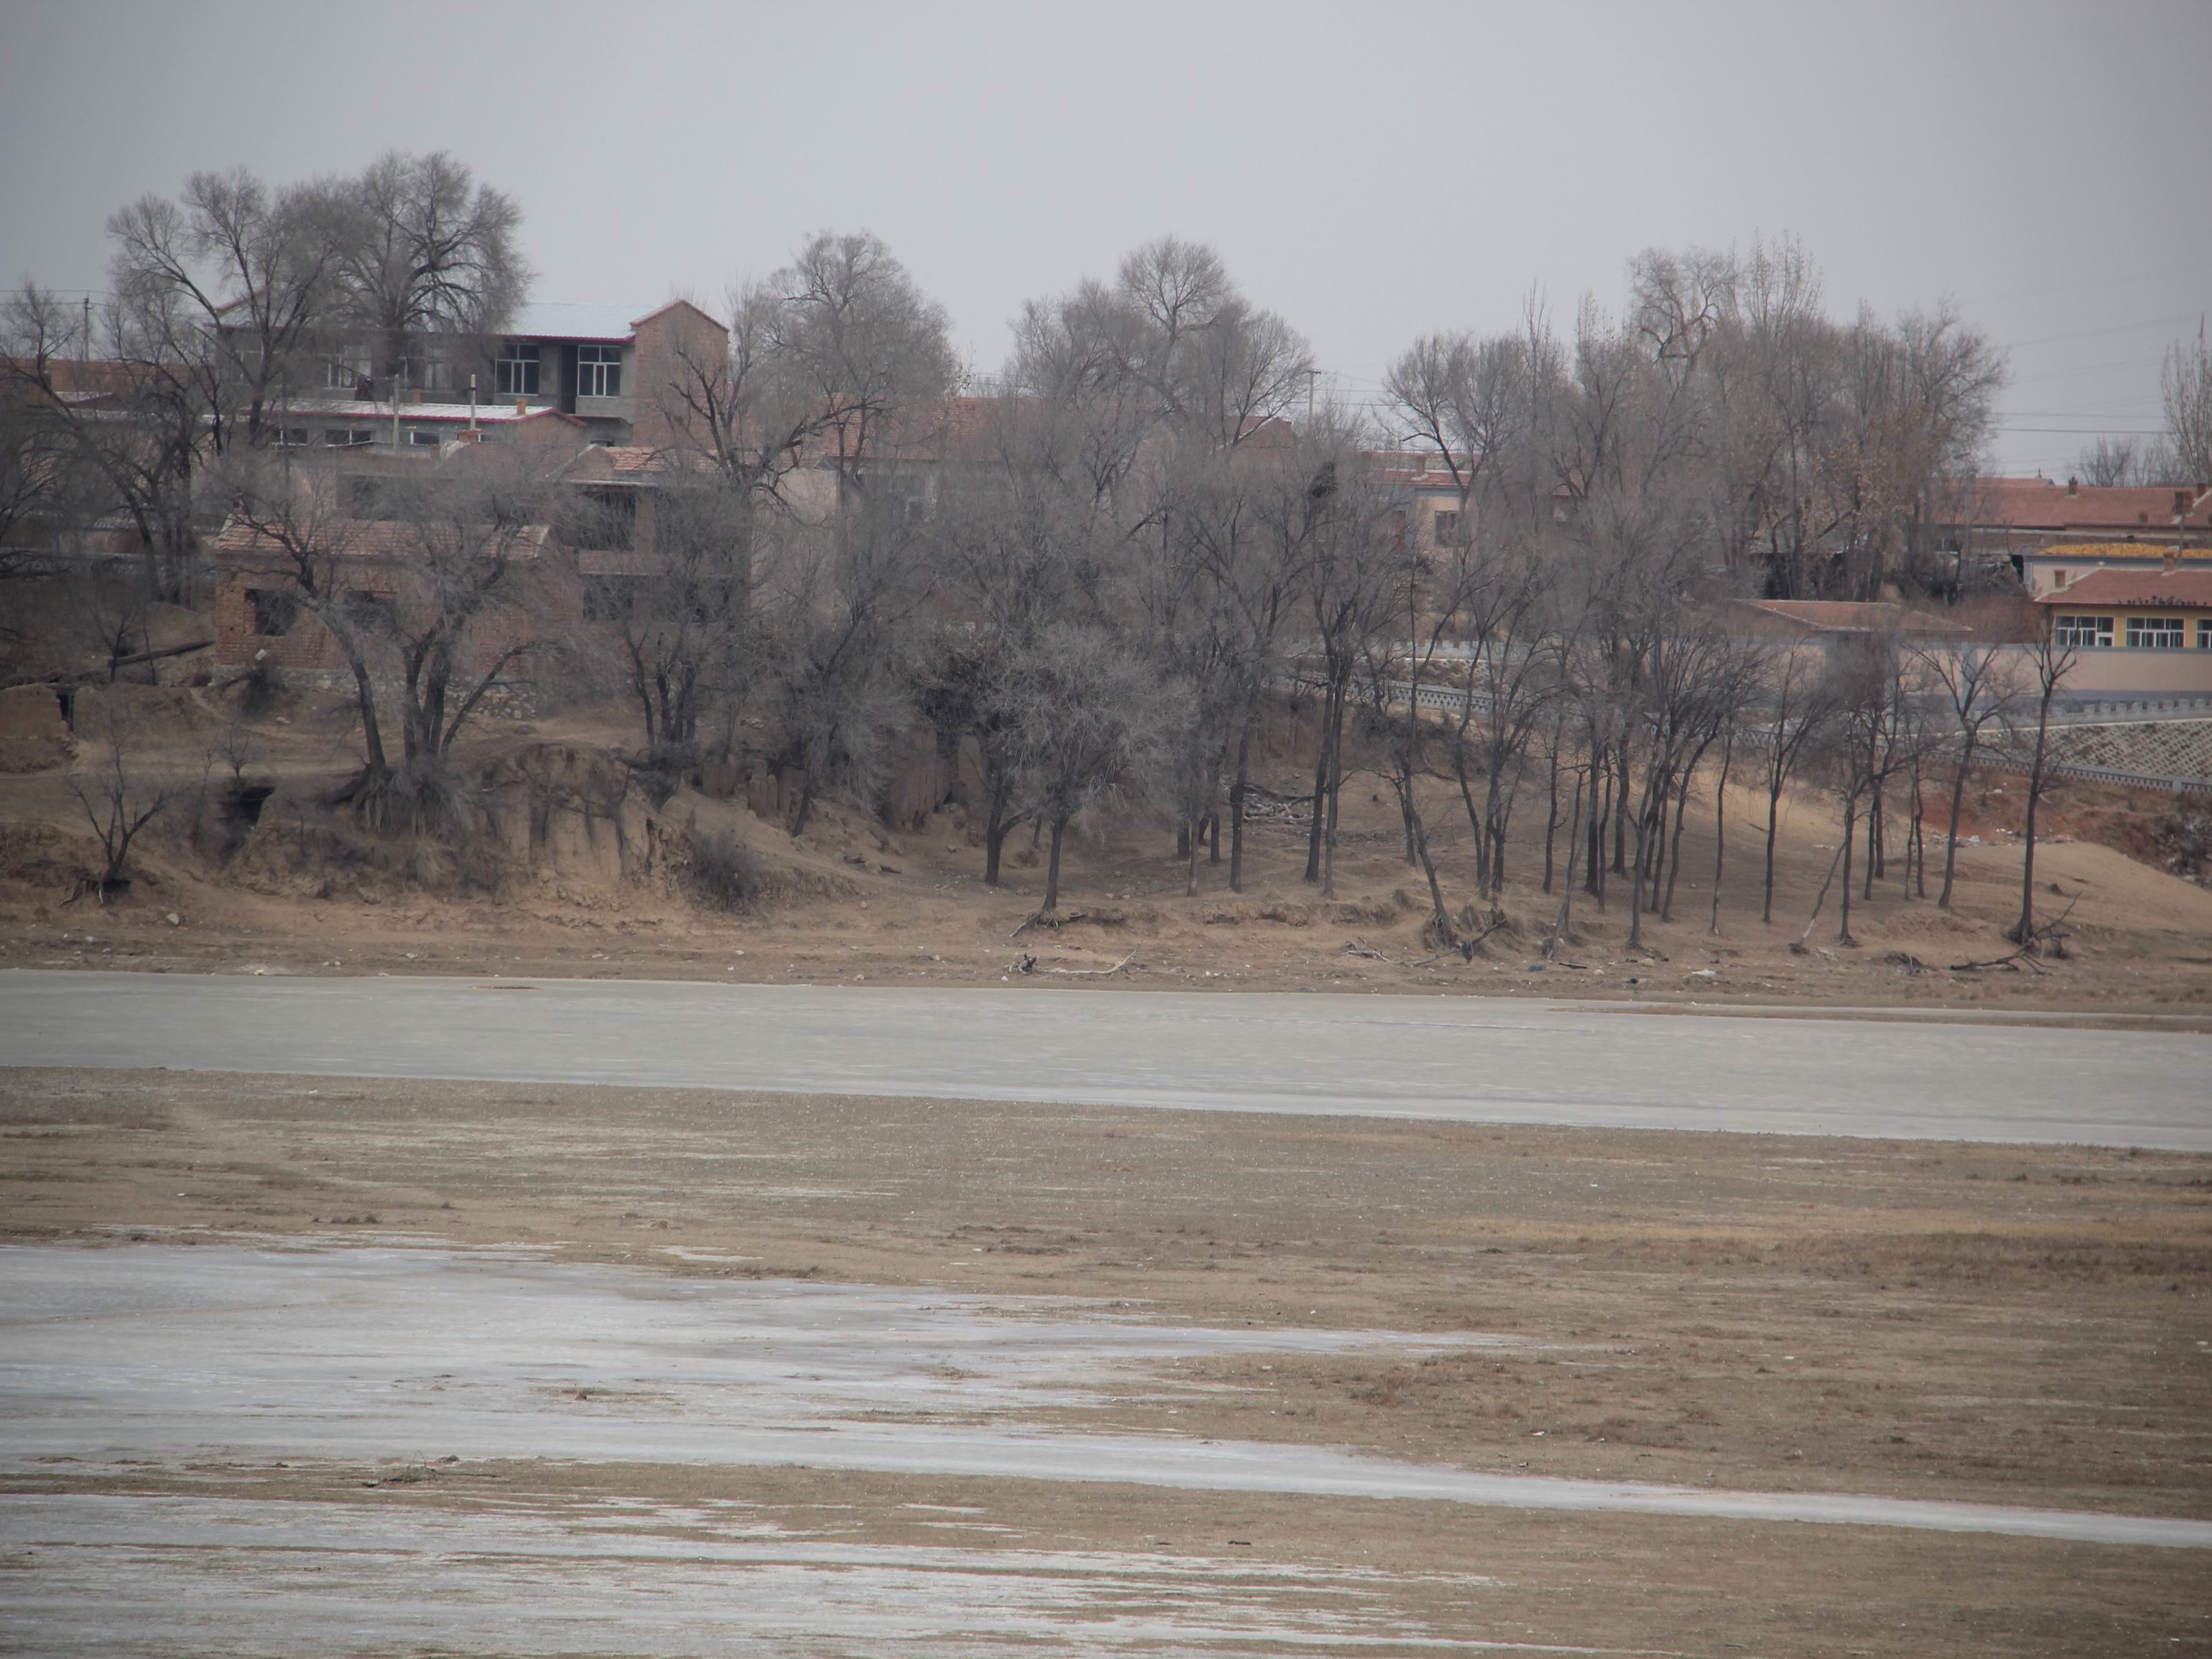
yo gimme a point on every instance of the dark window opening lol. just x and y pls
(607, 598)
(372, 612)
(275, 612)
(607, 520)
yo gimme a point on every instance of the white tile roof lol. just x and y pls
(566, 320)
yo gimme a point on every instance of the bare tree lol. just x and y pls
(430, 606)
(2184, 384)
(1090, 719)
(2116, 462)
(2050, 664)
(1801, 702)
(118, 798)
(239, 274)
(1980, 685)
(1327, 505)
(132, 442)
(673, 592)
(426, 250)
(843, 341)
(834, 681)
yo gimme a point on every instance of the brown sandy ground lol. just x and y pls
(2016, 1325)
(1526, 1580)
(852, 901)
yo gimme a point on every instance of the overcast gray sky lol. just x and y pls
(1374, 172)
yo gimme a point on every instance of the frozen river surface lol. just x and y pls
(166, 1366)
(1458, 1057)
(219, 1352)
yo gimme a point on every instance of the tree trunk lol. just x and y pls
(1335, 792)
(1236, 812)
(1951, 840)
(1320, 783)
(1551, 812)
(1850, 816)
(1445, 936)
(1674, 846)
(996, 828)
(1567, 884)
(1720, 825)
(1620, 814)
(1600, 811)
(1051, 905)
(1773, 816)
(1821, 898)
(2024, 934)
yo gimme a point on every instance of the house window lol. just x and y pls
(292, 437)
(372, 612)
(607, 521)
(2204, 633)
(344, 373)
(607, 598)
(1447, 529)
(599, 371)
(274, 611)
(423, 437)
(349, 437)
(515, 370)
(2082, 633)
(2155, 633)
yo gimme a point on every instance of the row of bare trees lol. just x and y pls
(1101, 573)
(224, 304)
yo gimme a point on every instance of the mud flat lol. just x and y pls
(494, 1367)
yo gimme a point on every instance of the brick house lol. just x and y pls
(608, 368)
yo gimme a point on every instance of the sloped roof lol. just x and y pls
(76, 380)
(1853, 616)
(2046, 504)
(2135, 590)
(630, 462)
(571, 319)
(358, 539)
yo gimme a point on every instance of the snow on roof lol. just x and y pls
(490, 412)
(569, 319)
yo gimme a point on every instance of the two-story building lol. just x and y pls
(612, 368)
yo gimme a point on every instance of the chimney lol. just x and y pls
(2169, 556)
(522, 403)
(2073, 486)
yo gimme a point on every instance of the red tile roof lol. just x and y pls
(355, 539)
(2135, 590)
(2044, 504)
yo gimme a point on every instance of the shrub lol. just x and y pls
(726, 874)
